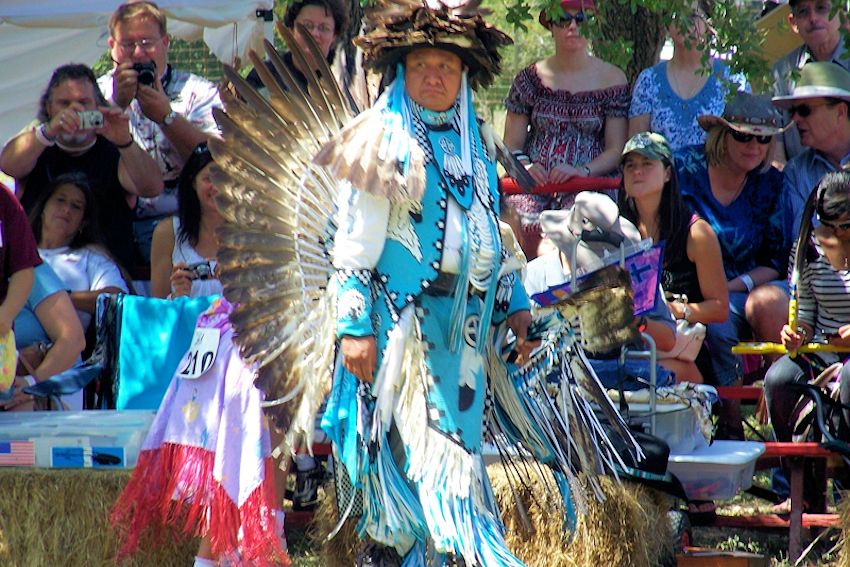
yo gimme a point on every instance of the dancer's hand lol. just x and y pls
(359, 356)
(518, 323)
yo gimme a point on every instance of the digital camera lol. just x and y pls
(147, 73)
(90, 119)
(201, 271)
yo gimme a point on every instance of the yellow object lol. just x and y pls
(776, 348)
(779, 38)
(8, 361)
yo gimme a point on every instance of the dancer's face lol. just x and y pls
(433, 77)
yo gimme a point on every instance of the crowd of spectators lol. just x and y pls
(114, 174)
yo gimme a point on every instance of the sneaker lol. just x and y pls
(307, 483)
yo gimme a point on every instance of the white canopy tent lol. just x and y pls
(38, 36)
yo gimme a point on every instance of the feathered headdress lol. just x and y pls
(395, 27)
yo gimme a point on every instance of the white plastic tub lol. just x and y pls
(676, 424)
(718, 471)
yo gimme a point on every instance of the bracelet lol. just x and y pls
(520, 155)
(127, 145)
(748, 282)
(30, 380)
(42, 137)
(586, 169)
(641, 323)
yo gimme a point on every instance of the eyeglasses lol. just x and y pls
(835, 226)
(147, 45)
(805, 110)
(323, 29)
(567, 19)
(746, 138)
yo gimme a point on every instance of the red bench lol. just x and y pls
(795, 456)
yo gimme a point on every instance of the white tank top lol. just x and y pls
(186, 253)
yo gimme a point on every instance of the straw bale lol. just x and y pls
(343, 548)
(61, 517)
(844, 523)
(628, 529)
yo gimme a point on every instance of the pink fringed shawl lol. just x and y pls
(205, 467)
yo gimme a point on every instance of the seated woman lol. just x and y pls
(65, 224)
(49, 337)
(823, 308)
(566, 117)
(692, 268)
(183, 254)
(730, 183)
(668, 96)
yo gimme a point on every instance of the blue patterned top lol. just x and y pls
(673, 117)
(750, 229)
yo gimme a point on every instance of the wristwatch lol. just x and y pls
(686, 312)
(168, 119)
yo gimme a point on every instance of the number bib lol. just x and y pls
(201, 354)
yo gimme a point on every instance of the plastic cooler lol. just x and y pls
(76, 439)
(676, 424)
(718, 471)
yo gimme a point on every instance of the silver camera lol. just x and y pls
(90, 119)
(201, 271)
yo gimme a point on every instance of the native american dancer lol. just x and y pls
(364, 256)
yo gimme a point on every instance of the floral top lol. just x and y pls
(750, 229)
(566, 127)
(676, 118)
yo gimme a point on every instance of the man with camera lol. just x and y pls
(170, 110)
(77, 131)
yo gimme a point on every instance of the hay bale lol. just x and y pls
(629, 528)
(343, 548)
(844, 524)
(61, 517)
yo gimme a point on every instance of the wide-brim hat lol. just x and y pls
(651, 145)
(820, 79)
(394, 28)
(747, 113)
(583, 5)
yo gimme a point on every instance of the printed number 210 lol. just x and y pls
(191, 368)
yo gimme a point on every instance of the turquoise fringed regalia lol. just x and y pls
(380, 230)
(424, 277)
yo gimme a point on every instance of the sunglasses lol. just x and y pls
(746, 138)
(567, 19)
(833, 226)
(806, 109)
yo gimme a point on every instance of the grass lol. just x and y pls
(304, 550)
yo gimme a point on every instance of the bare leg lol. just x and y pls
(767, 312)
(685, 371)
(205, 552)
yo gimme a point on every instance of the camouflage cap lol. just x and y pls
(650, 145)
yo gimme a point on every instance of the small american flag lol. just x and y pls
(17, 454)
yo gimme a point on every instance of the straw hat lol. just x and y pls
(818, 80)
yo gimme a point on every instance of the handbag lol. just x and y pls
(689, 338)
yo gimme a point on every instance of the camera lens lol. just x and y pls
(146, 73)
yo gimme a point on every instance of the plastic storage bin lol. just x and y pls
(718, 471)
(72, 439)
(676, 424)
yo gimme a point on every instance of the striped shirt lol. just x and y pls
(824, 297)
